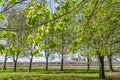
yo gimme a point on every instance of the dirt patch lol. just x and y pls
(114, 76)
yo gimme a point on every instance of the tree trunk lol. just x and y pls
(5, 60)
(101, 67)
(30, 65)
(46, 67)
(88, 63)
(15, 61)
(62, 50)
(62, 63)
(110, 63)
(15, 65)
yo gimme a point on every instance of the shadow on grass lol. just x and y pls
(53, 77)
(39, 73)
(57, 71)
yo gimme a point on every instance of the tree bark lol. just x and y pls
(15, 65)
(46, 63)
(15, 61)
(30, 65)
(62, 50)
(62, 63)
(5, 60)
(88, 63)
(110, 63)
(101, 67)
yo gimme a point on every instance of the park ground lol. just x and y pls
(54, 73)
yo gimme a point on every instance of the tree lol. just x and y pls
(63, 37)
(15, 19)
(96, 28)
(49, 41)
(2, 50)
(32, 47)
(5, 58)
(7, 35)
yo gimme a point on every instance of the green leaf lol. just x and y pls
(30, 38)
(12, 1)
(2, 2)
(43, 46)
(35, 51)
(13, 50)
(1, 47)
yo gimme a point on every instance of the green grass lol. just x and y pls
(39, 73)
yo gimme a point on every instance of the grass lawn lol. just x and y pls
(54, 73)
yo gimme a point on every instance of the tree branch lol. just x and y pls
(11, 5)
(64, 14)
